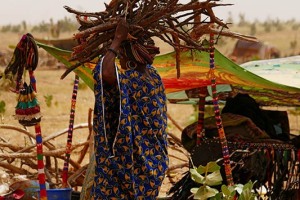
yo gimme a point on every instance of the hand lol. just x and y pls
(122, 30)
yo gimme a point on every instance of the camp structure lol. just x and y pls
(245, 51)
(231, 79)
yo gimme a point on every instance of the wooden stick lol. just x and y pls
(86, 147)
(14, 169)
(53, 153)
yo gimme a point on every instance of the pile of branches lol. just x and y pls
(177, 24)
(22, 160)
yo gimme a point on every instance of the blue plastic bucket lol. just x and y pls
(58, 194)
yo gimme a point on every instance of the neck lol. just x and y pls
(141, 68)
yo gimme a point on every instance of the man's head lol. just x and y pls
(140, 51)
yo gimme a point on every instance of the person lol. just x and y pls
(130, 120)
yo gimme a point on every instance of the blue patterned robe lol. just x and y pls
(130, 135)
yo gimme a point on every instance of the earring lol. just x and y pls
(131, 65)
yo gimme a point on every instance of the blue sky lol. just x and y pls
(35, 11)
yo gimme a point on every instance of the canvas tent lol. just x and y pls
(194, 74)
(194, 68)
(252, 50)
(281, 70)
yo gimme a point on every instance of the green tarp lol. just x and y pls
(195, 72)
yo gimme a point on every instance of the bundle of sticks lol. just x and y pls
(178, 24)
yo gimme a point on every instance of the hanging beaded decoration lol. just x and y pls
(25, 57)
(28, 109)
(219, 124)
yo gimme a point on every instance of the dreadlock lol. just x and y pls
(141, 51)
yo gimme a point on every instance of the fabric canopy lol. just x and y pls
(281, 70)
(194, 73)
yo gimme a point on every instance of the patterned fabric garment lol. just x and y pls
(130, 136)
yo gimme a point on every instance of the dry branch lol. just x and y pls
(26, 132)
(73, 179)
(13, 169)
(46, 139)
(21, 130)
(14, 158)
(53, 153)
(150, 18)
(86, 147)
(10, 146)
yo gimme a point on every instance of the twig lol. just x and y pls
(152, 16)
(14, 169)
(86, 147)
(53, 153)
(72, 179)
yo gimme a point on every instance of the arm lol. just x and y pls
(108, 64)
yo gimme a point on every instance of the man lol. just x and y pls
(130, 121)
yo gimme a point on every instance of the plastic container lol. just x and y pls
(58, 194)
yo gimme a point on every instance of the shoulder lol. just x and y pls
(153, 71)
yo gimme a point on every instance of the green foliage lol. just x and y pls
(229, 192)
(204, 192)
(81, 85)
(209, 176)
(24, 25)
(11, 28)
(2, 110)
(247, 193)
(230, 18)
(267, 27)
(242, 20)
(293, 44)
(48, 99)
(278, 25)
(2, 107)
(63, 25)
(295, 26)
(253, 29)
(41, 27)
(67, 25)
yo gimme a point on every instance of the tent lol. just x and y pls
(281, 70)
(194, 67)
(230, 77)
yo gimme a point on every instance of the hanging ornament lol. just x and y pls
(27, 109)
(25, 58)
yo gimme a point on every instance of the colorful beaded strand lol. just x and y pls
(32, 79)
(219, 124)
(39, 148)
(41, 167)
(70, 133)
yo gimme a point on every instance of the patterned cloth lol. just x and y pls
(130, 135)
